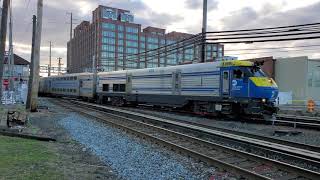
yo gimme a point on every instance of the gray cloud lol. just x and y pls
(240, 18)
(160, 20)
(197, 4)
(269, 17)
(56, 27)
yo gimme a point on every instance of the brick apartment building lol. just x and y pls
(117, 43)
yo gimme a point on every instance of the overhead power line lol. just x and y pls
(260, 29)
(268, 52)
(264, 48)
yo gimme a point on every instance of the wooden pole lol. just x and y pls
(95, 76)
(3, 35)
(36, 76)
(34, 26)
(204, 30)
(59, 65)
(49, 67)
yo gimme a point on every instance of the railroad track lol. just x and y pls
(300, 121)
(281, 119)
(255, 136)
(241, 163)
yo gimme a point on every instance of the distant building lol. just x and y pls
(18, 73)
(20, 69)
(113, 38)
(297, 77)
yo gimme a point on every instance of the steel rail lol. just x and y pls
(287, 167)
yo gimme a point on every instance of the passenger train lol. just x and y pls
(228, 88)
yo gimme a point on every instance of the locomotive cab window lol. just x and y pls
(237, 74)
(255, 72)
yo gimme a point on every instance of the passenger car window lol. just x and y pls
(105, 87)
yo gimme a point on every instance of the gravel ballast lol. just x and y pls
(306, 136)
(131, 157)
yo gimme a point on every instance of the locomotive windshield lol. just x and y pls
(257, 72)
(254, 72)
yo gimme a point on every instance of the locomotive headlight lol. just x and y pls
(263, 100)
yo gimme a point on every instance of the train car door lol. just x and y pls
(129, 83)
(225, 82)
(176, 83)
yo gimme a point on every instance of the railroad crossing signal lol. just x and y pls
(311, 105)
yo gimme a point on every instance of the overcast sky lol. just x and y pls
(174, 15)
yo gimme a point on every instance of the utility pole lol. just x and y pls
(3, 35)
(49, 67)
(70, 46)
(59, 65)
(35, 83)
(34, 26)
(71, 25)
(204, 30)
(95, 72)
(10, 52)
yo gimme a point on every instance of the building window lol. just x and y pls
(214, 54)
(126, 17)
(107, 54)
(109, 34)
(143, 45)
(108, 48)
(142, 50)
(142, 38)
(109, 13)
(214, 48)
(152, 46)
(120, 28)
(108, 40)
(108, 26)
(132, 43)
(132, 30)
(153, 40)
(120, 49)
(120, 35)
(170, 42)
(120, 42)
(132, 37)
(163, 42)
(132, 50)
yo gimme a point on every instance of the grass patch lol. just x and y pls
(27, 159)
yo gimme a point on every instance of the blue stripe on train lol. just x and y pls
(182, 89)
(166, 75)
